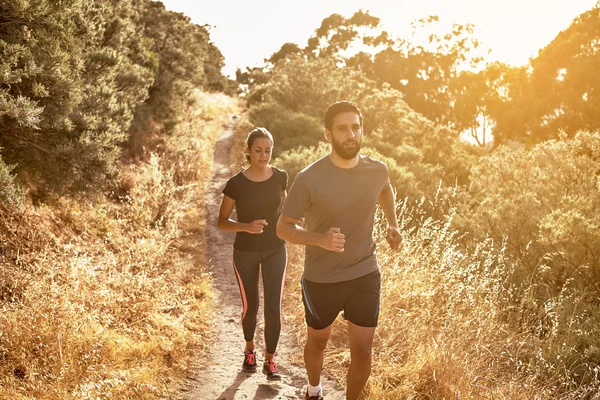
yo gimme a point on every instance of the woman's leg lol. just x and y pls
(246, 266)
(273, 275)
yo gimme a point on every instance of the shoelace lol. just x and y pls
(272, 366)
(250, 358)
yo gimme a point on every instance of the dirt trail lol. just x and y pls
(219, 375)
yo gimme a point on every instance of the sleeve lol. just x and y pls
(231, 189)
(298, 198)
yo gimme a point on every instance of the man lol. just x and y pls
(338, 195)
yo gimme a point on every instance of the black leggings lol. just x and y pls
(246, 265)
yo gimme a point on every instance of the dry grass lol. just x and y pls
(455, 325)
(237, 156)
(108, 299)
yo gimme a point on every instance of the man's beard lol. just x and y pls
(348, 149)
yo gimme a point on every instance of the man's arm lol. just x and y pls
(387, 202)
(289, 230)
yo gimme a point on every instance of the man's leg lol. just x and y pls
(322, 304)
(313, 352)
(362, 313)
(361, 341)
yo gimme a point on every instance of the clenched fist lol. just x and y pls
(334, 240)
(256, 227)
(393, 237)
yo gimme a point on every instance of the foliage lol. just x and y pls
(10, 192)
(290, 129)
(310, 86)
(83, 116)
(416, 142)
(298, 158)
(109, 297)
(292, 102)
(561, 89)
(545, 203)
(532, 103)
(424, 73)
(443, 76)
(185, 59)
(458, 321)
(338, 35)
(74, 75)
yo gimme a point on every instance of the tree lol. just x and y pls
(286, 51)
(292, 100)
(74, 74)
(62, 126)
(557, 91)
(484, 102)
(338, 35)
(184, 58)
(565, 79)
(424, 72)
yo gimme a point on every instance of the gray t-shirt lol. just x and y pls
(329, 196)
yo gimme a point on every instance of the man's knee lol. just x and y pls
(361, 354)
(317, 339)
(317, 344)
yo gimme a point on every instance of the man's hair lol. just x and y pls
(340, 107)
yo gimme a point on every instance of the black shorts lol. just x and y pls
(358, 298)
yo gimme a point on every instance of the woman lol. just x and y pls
(257, 193)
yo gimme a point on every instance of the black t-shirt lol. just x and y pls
(257, 200)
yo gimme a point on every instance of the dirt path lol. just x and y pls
(224, 379)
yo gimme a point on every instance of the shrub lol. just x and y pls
(289, 128)
(546, 202)
(10, 192)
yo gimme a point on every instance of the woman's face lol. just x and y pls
(260, 152)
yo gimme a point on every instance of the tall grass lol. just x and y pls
(455, 322)
(109, 298)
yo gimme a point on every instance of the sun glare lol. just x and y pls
(249, 32)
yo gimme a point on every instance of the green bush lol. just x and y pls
(290, 129)
(290, 101)
(546, 202)
(10, 192)
(296, 159)
(74, 74)
(309, 86)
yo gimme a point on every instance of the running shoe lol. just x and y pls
(249, 361)
(270, 370)
(317, 397)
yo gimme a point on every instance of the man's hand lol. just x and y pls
(256, 227)
(333, 240)
(393, 237)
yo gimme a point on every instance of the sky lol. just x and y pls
(249, 31)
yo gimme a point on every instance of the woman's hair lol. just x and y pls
(257, 133)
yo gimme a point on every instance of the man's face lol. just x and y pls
(346, 135)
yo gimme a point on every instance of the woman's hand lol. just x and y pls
(256, 227)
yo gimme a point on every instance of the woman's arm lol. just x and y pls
(227, 224)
